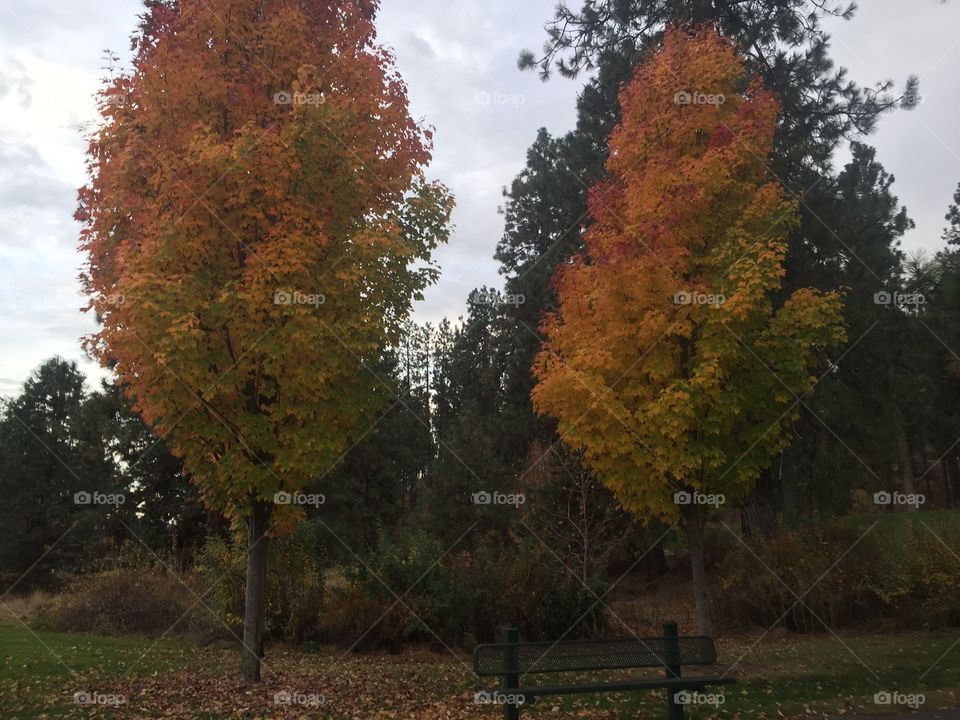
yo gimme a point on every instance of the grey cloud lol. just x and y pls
(28, 181)
(15, 79)
(422, 46)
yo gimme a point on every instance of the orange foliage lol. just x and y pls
(255, 211)
(666, 362)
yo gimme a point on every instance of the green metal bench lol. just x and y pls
(512, 659)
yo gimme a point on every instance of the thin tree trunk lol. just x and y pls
(694, 526)
(906, 462)
(789, 486)
(256, 591)
(758, 514)
(655, 562)
(953, 474)
(943, 470)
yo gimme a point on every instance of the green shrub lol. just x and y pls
(528, 587)
(294, 586)
(411, 591)
(760, 583)
(219, 579)
(921, 585)
(898, 569)
(363, 612)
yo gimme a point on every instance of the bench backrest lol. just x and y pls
(544, 657)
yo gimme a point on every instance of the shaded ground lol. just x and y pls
(781, 677)
(927, 715)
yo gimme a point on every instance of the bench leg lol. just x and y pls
(674, 710)
(671, 645)
(510, 710)
(511, 681)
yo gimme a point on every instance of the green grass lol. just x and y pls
(50, 654)
(40, 670)
(797, 675)
(782, 675)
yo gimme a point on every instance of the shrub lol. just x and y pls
(145, 600)
(219, 579)
(528, 587)
(760, 582)
(902, 572)
(411, 591)
(294, 586)
(363, 611)
(134, 594)
(921, 584)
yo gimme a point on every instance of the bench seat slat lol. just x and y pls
(546, 657)
(530, 694)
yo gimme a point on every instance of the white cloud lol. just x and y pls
(454, 56)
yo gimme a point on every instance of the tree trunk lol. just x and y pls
(906, 462)
(789, 486)
(952, 463)
(758, 514)
(655, 561)
(256, 591)
(694, 527)
(943, 469)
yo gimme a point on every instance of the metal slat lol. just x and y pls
(523, 658)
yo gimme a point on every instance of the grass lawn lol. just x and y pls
(781, 675)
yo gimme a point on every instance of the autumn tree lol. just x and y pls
(666, 362)
(821, 107)
(257, 224)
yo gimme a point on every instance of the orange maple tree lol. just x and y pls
(257, 224)
(666, 362)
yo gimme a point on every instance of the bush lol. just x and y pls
(135, 594)
(294, 586)
(144, 600)
(528, 587)
(363, 611)
(456, 599)
(921, 585)
(219, 579)
(902, 572)
(760, 583)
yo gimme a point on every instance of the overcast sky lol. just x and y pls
(459, 60)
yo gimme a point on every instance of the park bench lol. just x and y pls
(511, 659)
